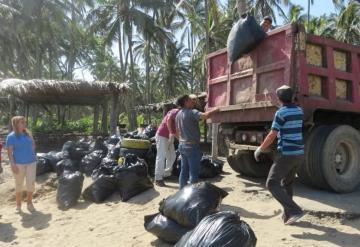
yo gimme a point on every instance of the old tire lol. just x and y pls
(341, 159)
(135, 143)
(244, 163)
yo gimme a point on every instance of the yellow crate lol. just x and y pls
(314, 55)
(315, 85)
(340, 60)
(342, 89)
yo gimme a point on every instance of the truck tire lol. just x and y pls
(135, 143)
(244, 163)
(311, 173)
(341, 159)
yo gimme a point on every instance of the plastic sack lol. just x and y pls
(150, 131)
(192, 203)
(66, 165)
(98, 144)
(114, 152)
(209, 168)
(43, 166)
(132, 177)
(90, 162)
(244, 36)
(164, 228)
(69, 189)
(220, 229)
(113, 140)
(54, 157)
(102, 188)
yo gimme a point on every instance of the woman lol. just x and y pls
(165, 156)
(21, 151)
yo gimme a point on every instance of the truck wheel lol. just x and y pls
(341, 159)
(243, 162)
(310, 173)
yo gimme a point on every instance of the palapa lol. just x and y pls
(58, 92)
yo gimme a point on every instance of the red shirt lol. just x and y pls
(163, 128)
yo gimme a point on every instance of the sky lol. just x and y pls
(319, 7)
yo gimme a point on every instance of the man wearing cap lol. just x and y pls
(287, 127)
(187, 128)
(266, 23)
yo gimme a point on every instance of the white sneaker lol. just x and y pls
(31, 208)
(18, 210)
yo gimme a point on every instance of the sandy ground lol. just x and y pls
(333, 220)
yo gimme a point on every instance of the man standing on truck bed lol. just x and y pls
(287, 126)
(266, 23)
(187, 128)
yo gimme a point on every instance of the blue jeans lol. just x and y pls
(190, 163)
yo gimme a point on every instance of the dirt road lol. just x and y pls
(333, 220)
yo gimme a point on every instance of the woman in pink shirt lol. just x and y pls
(166, 155)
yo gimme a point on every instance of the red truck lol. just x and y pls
(324, 73)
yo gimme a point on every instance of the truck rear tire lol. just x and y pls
(311, 172)
(341, 159)
(244, 163)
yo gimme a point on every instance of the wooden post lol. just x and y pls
(96, 119)
(113, 113)
(27, 106)
(12, 108)
(104, 117)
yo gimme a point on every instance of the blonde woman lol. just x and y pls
(21, 151)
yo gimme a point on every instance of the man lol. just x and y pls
(287, 127)
(266, 23)
(165, 156)
(187, 127)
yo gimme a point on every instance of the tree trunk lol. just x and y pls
(71, 54)
(96, 119)
(113, 113)
(104, 117)
(241, 7)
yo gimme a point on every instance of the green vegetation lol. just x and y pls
(158, 46)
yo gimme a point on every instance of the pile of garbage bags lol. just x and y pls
(191, 217)
(128, 179)
(181, 212)
(101, 159)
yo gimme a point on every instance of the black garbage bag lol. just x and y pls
(103, 169)
(69, 147)
(208, 168)
(113, 140)
(69, 189)
(132, 177)
(66, 165)
(53, 157)
(192, 203)
(43, 166)
(141, 153)
(90, 162)
(102, 188)
(150, 131)
(84, 144)
(164, 228)
(108, 162)
(177, 165)
(114, 152)
(98, 144)
(220, 229)
(150, 159)
(79, 153)
(244, 36)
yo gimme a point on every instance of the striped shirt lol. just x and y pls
(288, 122)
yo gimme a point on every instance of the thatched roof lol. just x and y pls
(61, 92)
